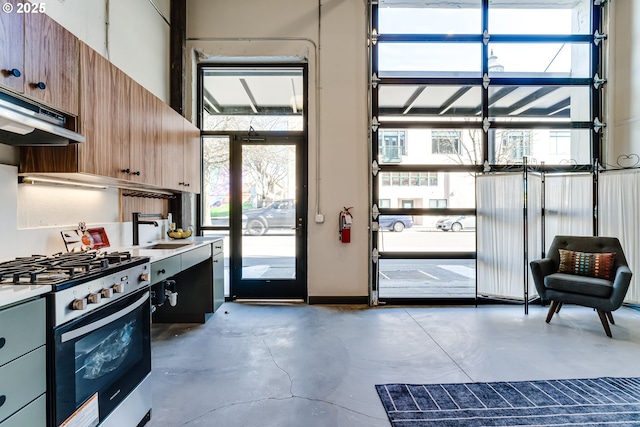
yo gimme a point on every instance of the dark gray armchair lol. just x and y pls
(604, 295)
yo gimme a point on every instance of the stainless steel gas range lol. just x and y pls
(99, 344)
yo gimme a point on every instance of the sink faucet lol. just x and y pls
(137, 222)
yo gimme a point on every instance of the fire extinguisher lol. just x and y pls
(345, 225)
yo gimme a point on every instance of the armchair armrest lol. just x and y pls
(621, 282)
(539, 269)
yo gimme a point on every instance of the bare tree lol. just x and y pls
(267, 167)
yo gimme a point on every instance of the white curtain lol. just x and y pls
(568, 206)
(500, 235)
(534, 224)
(619, 216)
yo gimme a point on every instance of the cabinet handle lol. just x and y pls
(218, 247)
(3, 341)
(215, 260)
(40, 85)
(14, 72)
(3, 399)
(161, 271)
(128, 171)
(181, 183)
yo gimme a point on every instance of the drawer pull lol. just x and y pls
(161, 271)
(3, 341)
(3, 399)
(218, 247)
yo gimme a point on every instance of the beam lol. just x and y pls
(177, 48)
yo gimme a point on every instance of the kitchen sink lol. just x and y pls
(168, 245)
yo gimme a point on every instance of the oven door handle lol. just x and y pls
(75, 333)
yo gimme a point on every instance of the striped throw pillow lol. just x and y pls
(587, 264)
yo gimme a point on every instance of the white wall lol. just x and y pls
(136, 38)
(227, 29)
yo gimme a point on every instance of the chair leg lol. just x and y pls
(610, 317)
(559, 307)
(552, 309)
(605, 324)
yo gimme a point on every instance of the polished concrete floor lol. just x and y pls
(311, 365)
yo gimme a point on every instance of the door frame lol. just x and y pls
(292, 289)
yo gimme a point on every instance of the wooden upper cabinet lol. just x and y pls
(192, 157)
(104, 116)
(12, 52)
(50, 63)
(145, 142)
(172, 149)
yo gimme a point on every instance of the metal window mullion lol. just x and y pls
(484, 103)
(411, 81)
(429, 38)
(389, 124)
(596, 93)
(541, 125)
(541, 81)
(542, 38)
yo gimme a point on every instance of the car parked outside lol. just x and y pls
(395, 223)
(279, 214)
(457, 223)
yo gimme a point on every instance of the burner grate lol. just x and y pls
(49, 269)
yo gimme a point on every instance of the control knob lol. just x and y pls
(94, 298)
(144, 277)
(118, 288)
(79, 304)
(106, 293)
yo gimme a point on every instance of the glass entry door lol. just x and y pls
(269, 218)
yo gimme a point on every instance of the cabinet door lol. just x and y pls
(104, 118)
(50, 58)
(172, 149)
(218, 280)
(192, 158)
(12, 52)
(145, 143)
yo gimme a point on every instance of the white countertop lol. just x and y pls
(182, 245)
(10, 294)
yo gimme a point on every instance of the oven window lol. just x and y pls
(103, 356)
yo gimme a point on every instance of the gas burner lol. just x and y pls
(115, 257)
(61, 267)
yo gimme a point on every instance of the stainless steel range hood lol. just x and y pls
(25, 123)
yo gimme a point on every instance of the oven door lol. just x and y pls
(100, 358)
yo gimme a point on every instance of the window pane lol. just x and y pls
(451, 190)
(265, 98)
(539, 60)
(427, 233)
(551, 146)
(397, 102)
(429, 60)
(437, 146)
(215, 170)
(536, 17)
(427, 278)
(554, 103)
(433, 19)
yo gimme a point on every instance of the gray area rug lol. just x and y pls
(581, 402)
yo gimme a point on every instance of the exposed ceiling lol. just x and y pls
(253, 91)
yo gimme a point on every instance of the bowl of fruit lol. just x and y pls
(179, 233)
